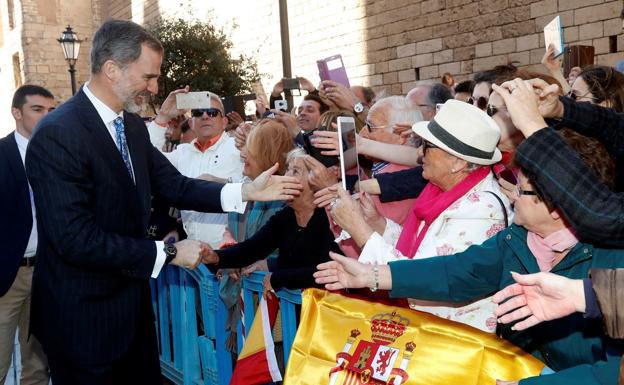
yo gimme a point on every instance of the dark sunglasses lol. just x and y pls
(481, 102)
(212, 112)
(576, 97)
(491, 110)
(427, 145)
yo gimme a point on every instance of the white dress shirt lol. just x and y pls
(223, 161)
(31, 248)
(231, 193)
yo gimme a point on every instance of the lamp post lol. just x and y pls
(71, 47)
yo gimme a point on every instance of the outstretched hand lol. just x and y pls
(537, 298)
(343, 273)
(269, 187)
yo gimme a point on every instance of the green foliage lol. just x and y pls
(196, 54)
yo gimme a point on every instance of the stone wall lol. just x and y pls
(391, 44)
(388, 44)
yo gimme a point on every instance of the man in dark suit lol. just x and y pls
(92, 169)
(18, 226)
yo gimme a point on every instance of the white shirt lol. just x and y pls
(222, 160)
(231, 193)
(31, 248)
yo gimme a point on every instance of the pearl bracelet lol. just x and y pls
(376, 278)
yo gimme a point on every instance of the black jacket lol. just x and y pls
(93, 258)
(564, 180)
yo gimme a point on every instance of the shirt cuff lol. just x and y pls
(232, 198)
(592, 310)
(161, 257)
(376, 250)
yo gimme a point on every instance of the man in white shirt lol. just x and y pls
(212, 154)
(18, 224)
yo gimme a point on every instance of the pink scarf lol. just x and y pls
(431, 202)
(544, 249)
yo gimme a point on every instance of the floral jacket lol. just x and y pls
(472, 219)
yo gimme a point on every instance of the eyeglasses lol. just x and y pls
(212, 112)
(429, 106)
(480, 102)
(491, 110)
(518, 192)
(427, 145)
(370, 127)
(576, 97)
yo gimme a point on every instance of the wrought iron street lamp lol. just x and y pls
(71, 47)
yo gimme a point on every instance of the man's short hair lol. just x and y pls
(494, 75)
(369, 94)
(466, 86)
(439, 94)
(19, 97)
(121, 41)
(314, 97)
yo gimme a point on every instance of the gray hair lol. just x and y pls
(121, 41)
(295, 153)
(439, 94)
(397, 110)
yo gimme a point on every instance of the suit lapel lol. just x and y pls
(104, 143)
(139, 155)
(16, 167)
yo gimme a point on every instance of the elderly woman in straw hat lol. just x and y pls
(461, 205)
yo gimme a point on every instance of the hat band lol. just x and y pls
(455, 144)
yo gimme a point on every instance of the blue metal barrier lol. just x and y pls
(189, 358)
(186, 357)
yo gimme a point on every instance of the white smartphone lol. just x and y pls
(193, 100)
(347, 146)
(281, 105)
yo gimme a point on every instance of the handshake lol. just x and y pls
(190, 253)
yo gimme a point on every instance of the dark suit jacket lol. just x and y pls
(16, 217)
(93, 258)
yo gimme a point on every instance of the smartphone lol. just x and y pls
(291, 83)
(237, 103)
(281, 105)
(348, 151)
(332, 68)
(326, 160)
(250, 109)
(193, 100)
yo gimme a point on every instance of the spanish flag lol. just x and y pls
(347, 341)
(256, 362)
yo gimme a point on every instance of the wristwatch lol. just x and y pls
(170, 252)
(358, 107)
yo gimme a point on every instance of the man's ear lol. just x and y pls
(17, 113)
(111, 70)
(459, 164)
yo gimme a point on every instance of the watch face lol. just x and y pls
(358, 108)
(170, 249)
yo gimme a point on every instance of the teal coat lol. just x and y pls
(481, 270)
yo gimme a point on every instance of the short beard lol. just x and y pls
(129, 103)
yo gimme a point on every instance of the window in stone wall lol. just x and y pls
(17, 70)
(11, 12)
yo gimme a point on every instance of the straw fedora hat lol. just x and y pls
(463, 130)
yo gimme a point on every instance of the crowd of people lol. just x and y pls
(494, 202)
